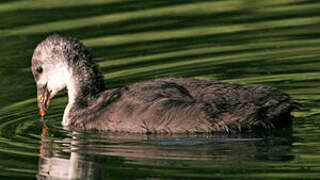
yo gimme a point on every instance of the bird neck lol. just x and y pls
(83, 88)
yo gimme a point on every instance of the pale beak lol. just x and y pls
(43, 99)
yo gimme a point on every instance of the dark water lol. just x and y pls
(275, 43)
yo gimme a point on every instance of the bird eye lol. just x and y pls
(39, 69)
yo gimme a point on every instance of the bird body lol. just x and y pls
(168, 105)
(183, 105)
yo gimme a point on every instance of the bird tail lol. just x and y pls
(273, 111)
(279, 114)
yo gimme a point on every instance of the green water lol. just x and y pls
(275, 43)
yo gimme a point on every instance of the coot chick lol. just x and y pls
(168, 105)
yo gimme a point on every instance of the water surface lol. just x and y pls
(274, 43)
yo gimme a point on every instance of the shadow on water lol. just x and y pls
(269, 42)
(44, 15)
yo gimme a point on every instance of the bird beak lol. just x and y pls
(43, 99)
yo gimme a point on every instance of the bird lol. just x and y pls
(165, 105)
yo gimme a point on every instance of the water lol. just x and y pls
(275, 43)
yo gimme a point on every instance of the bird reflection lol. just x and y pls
(65, 163)
(96, 155)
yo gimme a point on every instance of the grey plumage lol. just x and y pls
(168, 105)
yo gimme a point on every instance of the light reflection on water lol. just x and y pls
(268, 42)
